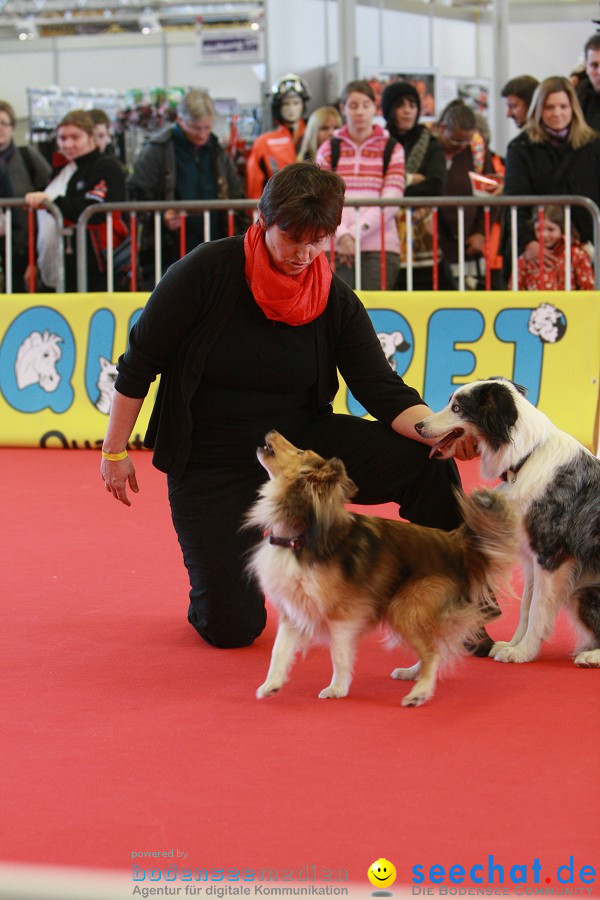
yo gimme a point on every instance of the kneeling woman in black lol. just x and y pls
(247, 334)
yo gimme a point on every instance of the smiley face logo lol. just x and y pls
(382, 873)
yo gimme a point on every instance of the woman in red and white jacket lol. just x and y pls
(372, 165)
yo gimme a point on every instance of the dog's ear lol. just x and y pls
(326, 476)
(519, 387)
(497, 412)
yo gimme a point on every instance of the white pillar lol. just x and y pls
(500, 14)
(347, 61)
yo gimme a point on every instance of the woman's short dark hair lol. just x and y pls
(303, 200)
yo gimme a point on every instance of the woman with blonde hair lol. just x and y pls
(556, 153)
(321, 124)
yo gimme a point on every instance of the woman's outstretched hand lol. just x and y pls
(116, 474)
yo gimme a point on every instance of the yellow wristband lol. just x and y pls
(114, 456)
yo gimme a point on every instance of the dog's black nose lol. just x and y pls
(418, 427)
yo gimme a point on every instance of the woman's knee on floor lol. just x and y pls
(227, 628)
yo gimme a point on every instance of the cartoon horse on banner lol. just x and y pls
(36, 361)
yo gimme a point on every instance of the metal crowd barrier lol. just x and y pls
(204, 207)
(409, 204)
(7, 205)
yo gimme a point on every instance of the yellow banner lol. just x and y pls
(58, 355)
(549, 342)
(57, 366)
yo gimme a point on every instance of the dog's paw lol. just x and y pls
(499, 645)
(588, 659)
(416, 697)
(518, 654)
(409, 674)
(333, 692)
(267, 689)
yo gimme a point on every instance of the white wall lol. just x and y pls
(557, 53)
(120, 62)
(300, 39)
(392, 39)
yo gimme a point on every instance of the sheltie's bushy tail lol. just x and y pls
(491, 535)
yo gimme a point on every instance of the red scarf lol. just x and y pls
(294, 299)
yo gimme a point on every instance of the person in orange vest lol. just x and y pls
(275, 149)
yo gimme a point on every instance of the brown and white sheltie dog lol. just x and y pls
(334, 574)
(555, 484)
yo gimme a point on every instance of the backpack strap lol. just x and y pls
(335, 152)
(387, 153)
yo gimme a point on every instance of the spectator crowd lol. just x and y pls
(379, 145)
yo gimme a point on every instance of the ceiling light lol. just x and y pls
(149, 23)
(26, 29)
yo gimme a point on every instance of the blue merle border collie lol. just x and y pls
(555, 483)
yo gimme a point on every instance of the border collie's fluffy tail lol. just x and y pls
(491, 534)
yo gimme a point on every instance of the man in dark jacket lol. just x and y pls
(184, 161)
(588, 92)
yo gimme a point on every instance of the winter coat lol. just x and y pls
(542, 168)
(361, 167)
(154, 177)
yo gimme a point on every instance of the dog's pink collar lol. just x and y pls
(295, 544)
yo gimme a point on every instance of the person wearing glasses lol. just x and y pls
(465, 151)
(184, 161)
(28, 171)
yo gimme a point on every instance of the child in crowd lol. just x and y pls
(552, 278)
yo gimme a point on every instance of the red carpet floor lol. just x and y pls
(123, 733)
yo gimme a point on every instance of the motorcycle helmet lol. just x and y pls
(287, 84)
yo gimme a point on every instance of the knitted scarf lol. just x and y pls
(416, 154)
(557, 138)
(294, 299)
